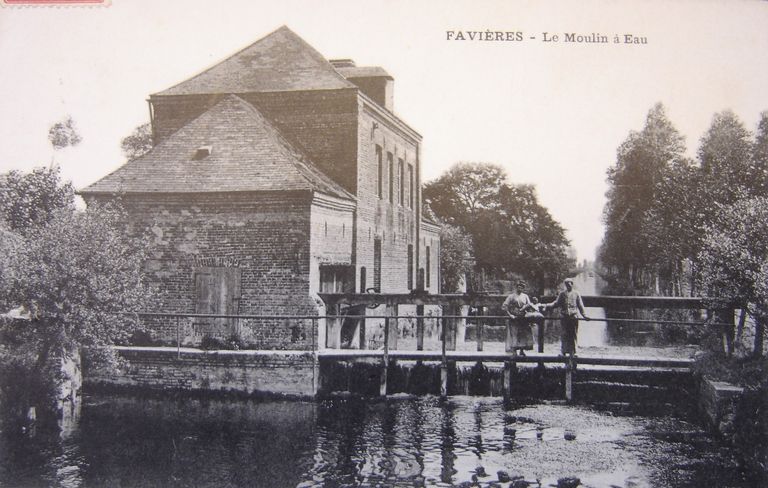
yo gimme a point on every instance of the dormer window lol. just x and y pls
(202, 152)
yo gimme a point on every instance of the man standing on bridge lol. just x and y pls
(570, 304)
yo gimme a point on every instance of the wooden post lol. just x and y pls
(540, 340)
(385, 361)
(444, 380)
(444, 363)
(392, 312)
(759, 334)
(420, 327)
(540, 336)
(507, 379)
(317, 382)
(361, 331)
(570, 365)
(333, 328)
(479, 329)
(449, 326)
(727, 316)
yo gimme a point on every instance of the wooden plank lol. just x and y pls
(450, 324)
(500, 357)
(333, 328)
(692, 303)
(480, 327)
(391, 312)
(444, 380)
(444, 361)
(385, 359)
(506, 386)
(420, 327)
(569, 381)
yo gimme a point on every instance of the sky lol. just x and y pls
(551, 113)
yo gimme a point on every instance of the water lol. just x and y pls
(408, 441)
(591, 334)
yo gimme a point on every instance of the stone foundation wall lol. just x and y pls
(718, 401)
(288, 373)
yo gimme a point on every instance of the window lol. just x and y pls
(363, 277)
(410, 186)
(410, 267)
(428, 266)
(337, 278)
(380, 181)
(377, 264)
(218, 293)
(391, 164)
(401, 181)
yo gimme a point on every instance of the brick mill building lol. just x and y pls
(274, 175)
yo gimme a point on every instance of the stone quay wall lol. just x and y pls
(253, 373)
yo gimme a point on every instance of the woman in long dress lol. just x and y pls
(519, 335)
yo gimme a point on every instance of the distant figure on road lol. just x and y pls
(519, 335)
(570, 304)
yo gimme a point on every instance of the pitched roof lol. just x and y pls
(247, 153)
(281, 61)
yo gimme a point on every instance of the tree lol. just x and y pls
(760, 155)
(64, 134)
(734, 258)
(30, 200)
(647, 162)
(138, 143)
(727, 170)
(511, 232)
(76, 277)
(672, 226)
(542, 255)
(455, 257)
(464, 192)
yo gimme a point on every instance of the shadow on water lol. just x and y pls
(345, 441)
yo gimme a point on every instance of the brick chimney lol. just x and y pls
(372, 81)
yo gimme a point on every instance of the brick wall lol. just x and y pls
(430, 237)
(248, 372)
(340, 130)
(378, 217)
(264, 236)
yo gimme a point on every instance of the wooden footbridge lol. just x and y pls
(351, 318)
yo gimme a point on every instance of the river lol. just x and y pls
(123, 441)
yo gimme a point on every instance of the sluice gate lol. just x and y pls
(532, 377)
(402, 359)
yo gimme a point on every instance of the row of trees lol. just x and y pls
(681, 226)
(662, 206)
(495, 229)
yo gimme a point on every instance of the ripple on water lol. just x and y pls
(404, 441)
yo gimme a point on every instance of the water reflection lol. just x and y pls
(123, 441)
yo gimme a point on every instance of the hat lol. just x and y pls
(568, 280)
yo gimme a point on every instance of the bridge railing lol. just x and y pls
(215, 331)
(352, 324)
(403, 321)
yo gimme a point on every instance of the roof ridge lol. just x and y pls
(283, 30)
(208, 68)
(323, 58)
